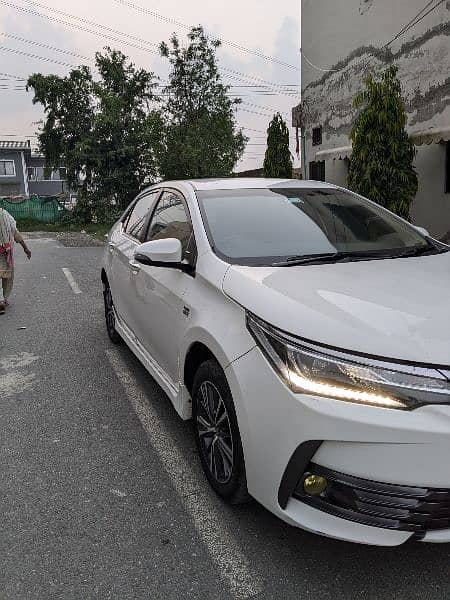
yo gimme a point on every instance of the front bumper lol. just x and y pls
(383, 446)
(402, 508)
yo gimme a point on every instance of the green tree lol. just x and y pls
(381, 166)
(106, 131)
(278, 160)
(200, 137)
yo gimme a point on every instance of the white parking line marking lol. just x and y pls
(232, 564)
(73, 284)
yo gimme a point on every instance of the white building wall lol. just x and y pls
(431, 208)
(342, 41)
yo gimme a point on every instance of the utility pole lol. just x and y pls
(298, 121)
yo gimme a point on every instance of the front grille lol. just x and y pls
(404, 508)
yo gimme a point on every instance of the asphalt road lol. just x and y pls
(101, 494)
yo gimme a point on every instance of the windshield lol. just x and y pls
(269, 226)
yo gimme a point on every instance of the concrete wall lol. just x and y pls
(46, 187)
(336, 171)
(344, 40)
(431, 208)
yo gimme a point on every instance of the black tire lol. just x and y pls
(110, 315)
(217, 434)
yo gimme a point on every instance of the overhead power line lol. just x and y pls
(59, 62)
(36, 56)
(285, 85)
(47, 59)
(93, 23)
(230, 43)
(71, 53)
(253, 112)
(79, 27)
(322, 70)
(232, 73)
(407, 27)
(415, 20)
(257, 130)
(410, 22)
(41, 45)
(269, 108)
(10, 76)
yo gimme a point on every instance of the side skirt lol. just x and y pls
(177, 393)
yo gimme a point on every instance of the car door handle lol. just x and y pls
(134, 267)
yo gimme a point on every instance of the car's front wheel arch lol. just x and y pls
(197, 354)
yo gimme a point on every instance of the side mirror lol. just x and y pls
(162, 253)
(422, 230)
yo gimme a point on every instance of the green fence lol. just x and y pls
(45, 210)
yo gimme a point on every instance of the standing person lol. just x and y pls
(8, 235)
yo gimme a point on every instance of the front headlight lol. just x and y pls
(310, 369)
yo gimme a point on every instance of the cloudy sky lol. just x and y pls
(61, 33)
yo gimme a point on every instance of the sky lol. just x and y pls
(71, 32)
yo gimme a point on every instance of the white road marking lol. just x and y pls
(73, 284)
(16, 361)
(15, 383)
(118, 493)
(232, 563)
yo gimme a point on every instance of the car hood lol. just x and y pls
(396, 308)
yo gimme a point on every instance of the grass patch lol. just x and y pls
(97, 230)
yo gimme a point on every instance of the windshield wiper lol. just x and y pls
(422, 250)
(308, 259)
(334, 257)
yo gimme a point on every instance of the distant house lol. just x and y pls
(23, 173)
(296, 173)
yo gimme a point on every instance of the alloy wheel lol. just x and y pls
(214, 431)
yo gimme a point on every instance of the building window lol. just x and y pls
(38, 174)
(317, 170)
(447, 167)
(7, 168)
(35, 173)
(317, 136)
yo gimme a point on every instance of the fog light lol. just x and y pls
(314, 485)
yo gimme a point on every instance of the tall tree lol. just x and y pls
(69, 116)
(201, 138)
(278, 160)
(381, 166)
(105, 131)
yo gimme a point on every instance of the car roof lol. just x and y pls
(236, 183)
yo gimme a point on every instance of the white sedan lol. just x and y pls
(306, 332)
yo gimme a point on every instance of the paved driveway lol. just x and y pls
(101, 494)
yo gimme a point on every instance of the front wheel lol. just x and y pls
(110, 315)
(217, 434)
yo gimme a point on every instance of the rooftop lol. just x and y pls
(14, 145)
